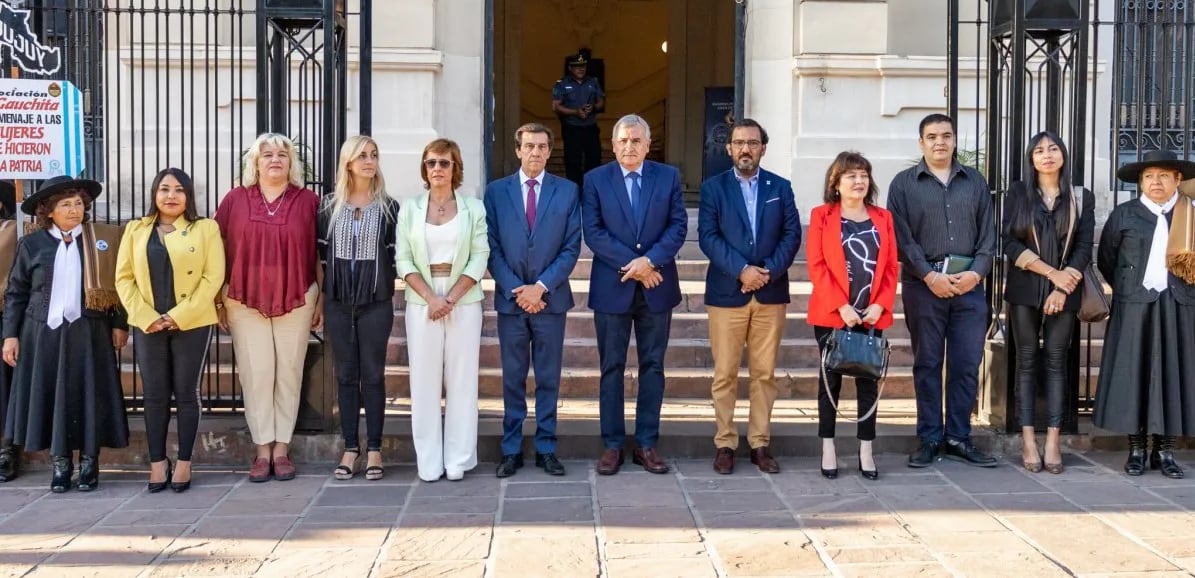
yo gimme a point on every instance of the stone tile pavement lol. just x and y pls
(946, 520)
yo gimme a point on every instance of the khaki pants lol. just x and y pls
(270, 355)
(760, 327)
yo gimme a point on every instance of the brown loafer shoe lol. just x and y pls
(284, 469)
(724, 461)
(650, 460)
(259, 470)
(609, 463)
(762, 457)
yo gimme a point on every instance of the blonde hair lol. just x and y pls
(353, 147)
(249, 176)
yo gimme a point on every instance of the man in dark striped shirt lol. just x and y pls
(946, 238)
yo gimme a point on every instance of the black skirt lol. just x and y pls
(66, 392)
(1147, 378)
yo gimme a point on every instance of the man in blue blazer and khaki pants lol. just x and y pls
(534, 224)
(750, 230)
(633, 214)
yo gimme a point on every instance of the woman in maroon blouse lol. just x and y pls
(272, 298)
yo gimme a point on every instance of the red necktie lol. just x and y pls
(531, 203)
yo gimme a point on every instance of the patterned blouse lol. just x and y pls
(861, 245)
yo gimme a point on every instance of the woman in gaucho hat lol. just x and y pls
(1147, 254)
(10, 456)
(62, 326)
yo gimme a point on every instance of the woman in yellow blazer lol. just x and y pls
(441, 253)
(169, 270)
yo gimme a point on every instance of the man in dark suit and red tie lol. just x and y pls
(750, 230)
(633, 215)
(534, 227)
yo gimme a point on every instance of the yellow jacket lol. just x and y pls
(197, 257)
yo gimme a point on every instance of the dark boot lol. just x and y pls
(1162, 457)
(10, 462)
(63, 468)
(1135, 465)
(89, 473)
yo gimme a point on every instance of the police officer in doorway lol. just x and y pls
(577, 98)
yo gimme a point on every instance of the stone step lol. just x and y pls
(582, 383)
(686, 430)
(692, 296)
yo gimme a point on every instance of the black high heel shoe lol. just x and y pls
(60, 482)
(180, 487)
(831, 474)
(89, 473)
(869, 474)
(155, 487)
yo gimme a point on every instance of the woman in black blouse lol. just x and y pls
(356, 242)
(1048, 236)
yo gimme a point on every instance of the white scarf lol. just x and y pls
(1156, 277)
(66, 290)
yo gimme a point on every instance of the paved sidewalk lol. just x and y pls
(946, 520)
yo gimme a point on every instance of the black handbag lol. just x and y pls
(858, 355)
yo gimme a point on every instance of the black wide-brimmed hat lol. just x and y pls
(1131, 173)
(8, 198)
(56, 185)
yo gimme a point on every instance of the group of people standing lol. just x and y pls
(276, 262)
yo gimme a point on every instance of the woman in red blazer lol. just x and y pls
(851, 250)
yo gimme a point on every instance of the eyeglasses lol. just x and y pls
(740, 144)
(432, 163)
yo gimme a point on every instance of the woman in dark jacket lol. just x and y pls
(10, 455)
(356, 232)
(1147, 378)
(1048, 230)
(63, 322)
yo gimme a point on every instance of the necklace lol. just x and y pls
(440, 206)
(281, 200)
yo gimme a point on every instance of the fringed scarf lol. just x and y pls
(99, 266)
(1180, 245)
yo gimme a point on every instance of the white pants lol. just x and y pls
(444, 358)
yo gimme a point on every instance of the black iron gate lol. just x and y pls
(1117, 85)
(190, 84)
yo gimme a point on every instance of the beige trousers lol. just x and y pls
(760, 327)
(270, 355)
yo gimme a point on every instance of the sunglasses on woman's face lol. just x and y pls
(443, 163)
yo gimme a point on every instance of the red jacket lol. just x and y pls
(827, 266)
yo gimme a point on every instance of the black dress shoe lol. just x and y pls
(509, 465)
(549, 463)
(1162, 457)
(10, 460)
(155, 487)
(965, 452)
(63, 468)
(925, 455)
(89, 473)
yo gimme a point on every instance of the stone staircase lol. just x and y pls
(688, 366)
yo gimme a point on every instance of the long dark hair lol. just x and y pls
(191, 213)
(1022, 223)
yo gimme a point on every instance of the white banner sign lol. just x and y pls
(41, 129)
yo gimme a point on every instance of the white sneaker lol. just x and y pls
(455, 476)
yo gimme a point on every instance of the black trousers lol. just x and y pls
(582, 151)
(359, 334)
(866, 389)
(171, 364)
(1054, 334)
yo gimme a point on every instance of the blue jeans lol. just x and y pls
(957, 326)
(525, 339)
(651, 339)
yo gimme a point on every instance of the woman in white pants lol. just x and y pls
(441, 254)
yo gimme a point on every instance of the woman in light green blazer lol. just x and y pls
(441, 254)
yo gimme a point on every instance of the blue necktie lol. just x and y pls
(636, 197)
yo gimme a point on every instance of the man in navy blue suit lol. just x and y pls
(534, 223)
(634, 219)
(750, 230)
